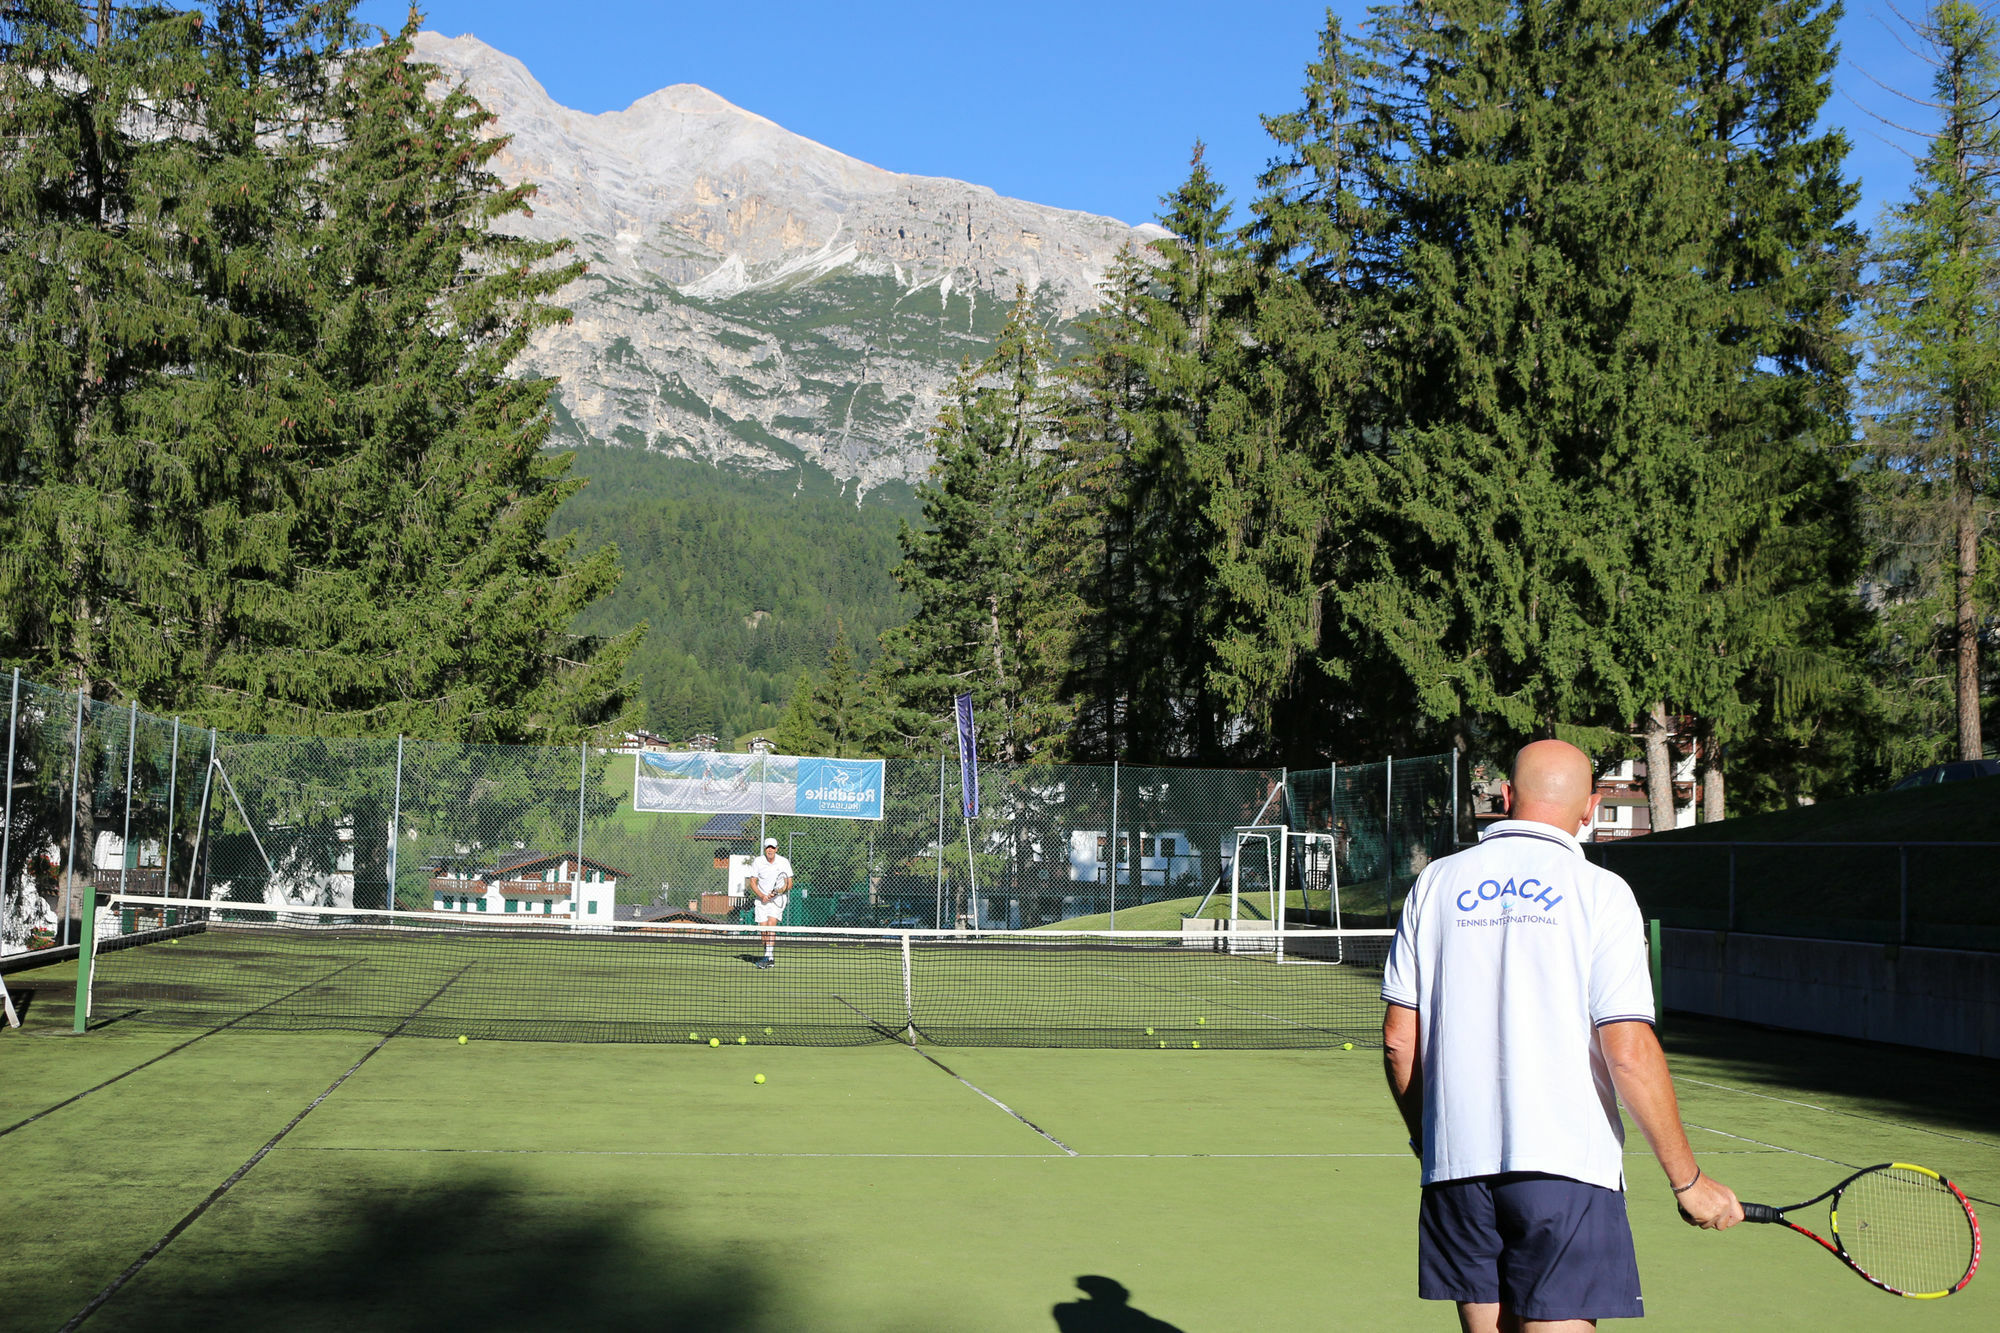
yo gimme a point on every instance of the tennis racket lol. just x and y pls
(1904, 1228)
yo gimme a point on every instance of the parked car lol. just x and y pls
(1960, 770)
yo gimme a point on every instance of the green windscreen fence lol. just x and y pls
(1938, 894)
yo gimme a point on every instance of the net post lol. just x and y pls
(909, 1007)
(7, 828)
(1655, 962)
(75, 781)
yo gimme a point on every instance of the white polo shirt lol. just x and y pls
(770, 872)
(1513, 953)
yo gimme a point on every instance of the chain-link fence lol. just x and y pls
(1939, 894)
(118, 800)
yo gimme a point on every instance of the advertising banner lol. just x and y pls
(704, 782)
(968, 758)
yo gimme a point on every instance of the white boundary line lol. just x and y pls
(928, 1156)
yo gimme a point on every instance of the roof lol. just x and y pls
(730, 827)
(506, 865)
(640, 912)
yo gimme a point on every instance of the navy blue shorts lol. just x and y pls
(1545, 1247)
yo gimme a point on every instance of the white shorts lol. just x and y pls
(770, 914)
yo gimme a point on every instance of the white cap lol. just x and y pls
(770, 842)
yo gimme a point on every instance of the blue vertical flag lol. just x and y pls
(968, 758)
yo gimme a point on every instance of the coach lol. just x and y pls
(1518, 999)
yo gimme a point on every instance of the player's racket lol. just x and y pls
(1905, 1228)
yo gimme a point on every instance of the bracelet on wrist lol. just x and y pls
(1683, 1189)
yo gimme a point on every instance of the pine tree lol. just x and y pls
(800, 732)
(985, 619)
(1935, 378)
(1279, 464)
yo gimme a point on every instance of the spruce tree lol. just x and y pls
(1935, 380)
(985, 619)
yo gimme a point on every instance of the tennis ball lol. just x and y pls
(1163, 1046)
(1149, 1032)
(694, 1036)
(715, 1041)
(767, 1032)
(1347, 1046)
(758, 1079)
(461, 1039)
(1201, 1020)
(742, 1041)
(1197, 1046)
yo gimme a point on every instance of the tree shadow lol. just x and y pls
(1106, 1308)
(473, 1254)
(1935, 1088)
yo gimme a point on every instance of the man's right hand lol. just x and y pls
(1710, 1205)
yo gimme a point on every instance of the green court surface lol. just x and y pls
(544, 1185)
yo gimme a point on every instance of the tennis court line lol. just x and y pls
(71, 1101)
(152, 1251)
(911, 1042)
(1834, 1110)
(922, 1156)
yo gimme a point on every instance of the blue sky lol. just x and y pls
(1090, 104)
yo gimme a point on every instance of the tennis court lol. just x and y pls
(549, 1184)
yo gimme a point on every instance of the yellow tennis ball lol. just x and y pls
(1347, 1046)
(1201, 1020)
(767, 1032)
(758, 1079)
(694, 1036)
(461, 1039)
(1163, 1046)
(715, 1041)
(1149, 1032)
(1197, 1046)
(742, 1041)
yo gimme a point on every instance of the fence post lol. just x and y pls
(125, 837)
(1730, 922)
(582, 781)
(1655, 957)
(198, 865)
(395, 828)
(7, 829)
(1902, 893)
(173, 791)
(1388, 832)
(1111, 844)
(937, 908)
(69, 869)
(1454, 797)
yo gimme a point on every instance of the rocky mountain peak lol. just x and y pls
(759, 298)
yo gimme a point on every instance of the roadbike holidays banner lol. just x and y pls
(707, 783)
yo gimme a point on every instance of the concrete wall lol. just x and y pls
(1943, 999)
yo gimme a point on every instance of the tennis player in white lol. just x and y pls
(1520, 1011)
(771, 883)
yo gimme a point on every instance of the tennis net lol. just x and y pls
(201, 963)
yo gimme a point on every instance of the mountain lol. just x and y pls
(758, 299)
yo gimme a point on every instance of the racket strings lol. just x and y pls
(1906, 1229)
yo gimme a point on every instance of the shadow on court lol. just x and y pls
(1106, 1308)
(472, 1255)
(1933, 1088)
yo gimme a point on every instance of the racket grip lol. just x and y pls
(1761, 1212)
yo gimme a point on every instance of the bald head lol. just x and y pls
(1553, 783)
